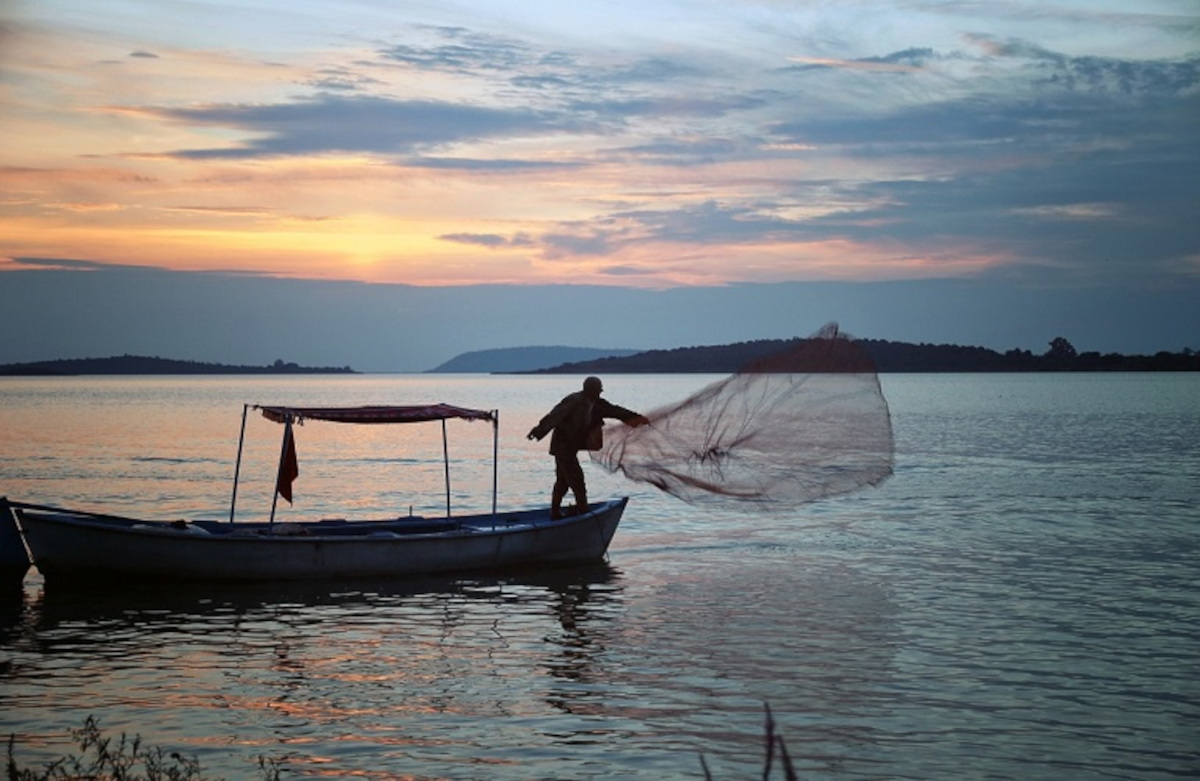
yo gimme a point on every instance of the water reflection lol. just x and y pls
(179, 605)
(295, 665)
(584, 610)
(406, 671)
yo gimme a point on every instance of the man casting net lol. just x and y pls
(802, 424)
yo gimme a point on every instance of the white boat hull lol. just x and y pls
(78, 545)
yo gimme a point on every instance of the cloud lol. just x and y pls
(711, 222)
(1042, 138)
(59, 264)
(489, 240)
(615, 85)
(915, 57)
(555, 93)
(467, 51)
(622, 271)
(342, 79)
(667, 106)
(676, 151)
(331, 123)
(907, 61)
(469, 164)
(1048, 97)
(592, 243)
(1095, 74)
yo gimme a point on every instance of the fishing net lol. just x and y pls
(807, 422)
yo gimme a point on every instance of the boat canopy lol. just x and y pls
(376, 414)
(289, 468)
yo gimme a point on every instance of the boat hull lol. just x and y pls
(68, 545)
(14, 560)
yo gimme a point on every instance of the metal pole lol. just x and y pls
(446, 458)
(237, 469)
(495, 456)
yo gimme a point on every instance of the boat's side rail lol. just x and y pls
(224, 529)
(329, 528)
(45, 508)
(325, 529)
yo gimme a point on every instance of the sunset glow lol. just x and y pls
(456, 147)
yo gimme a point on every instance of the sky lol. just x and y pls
(387, 184)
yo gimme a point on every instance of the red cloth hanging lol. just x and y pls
(289, 467)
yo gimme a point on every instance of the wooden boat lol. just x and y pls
(70, 544)
(14, 559)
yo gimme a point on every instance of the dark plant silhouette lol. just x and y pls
(771, 741)
(126, 759)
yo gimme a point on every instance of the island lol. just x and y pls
(140, 364)
(888, 357)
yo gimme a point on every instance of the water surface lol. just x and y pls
(1018, 601)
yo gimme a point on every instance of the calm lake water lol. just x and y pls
(1020, 600)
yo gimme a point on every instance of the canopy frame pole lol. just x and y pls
(287, 435)
(237, 469)
(446, 461)
(495, 457)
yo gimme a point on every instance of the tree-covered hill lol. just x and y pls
(889, 357)
(140, 364)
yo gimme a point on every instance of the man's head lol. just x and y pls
(592, 387)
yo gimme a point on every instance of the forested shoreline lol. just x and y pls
(889, 356)
(140, 364)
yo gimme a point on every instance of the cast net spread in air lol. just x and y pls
(802, 424)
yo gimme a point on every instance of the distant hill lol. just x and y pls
(139, 364)
(888, 357)
(523, 359)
